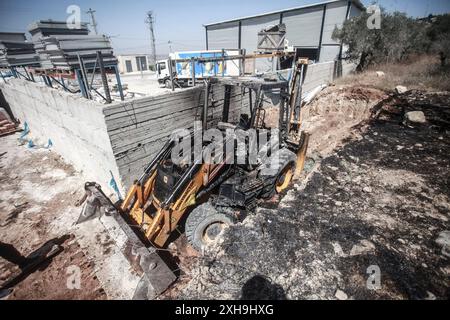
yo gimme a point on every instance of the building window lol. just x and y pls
(129, 66)
(141, 63)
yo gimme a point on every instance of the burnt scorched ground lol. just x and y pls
(381, 200)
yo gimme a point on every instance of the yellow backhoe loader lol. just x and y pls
(206, 197)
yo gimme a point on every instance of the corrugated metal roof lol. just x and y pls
(356, 2)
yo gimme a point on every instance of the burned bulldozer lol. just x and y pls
(206, 196)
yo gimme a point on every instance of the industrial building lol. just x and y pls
(308, 29)
(129, 63)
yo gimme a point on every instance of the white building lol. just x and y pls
(129, 63)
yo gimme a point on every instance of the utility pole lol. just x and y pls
(170, 46)
(94, 23)
(150, 20)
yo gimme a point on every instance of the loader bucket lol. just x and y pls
(156, 276)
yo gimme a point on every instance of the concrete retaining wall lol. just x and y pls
(317, 74)
(348, 67)
(323, 73)
(75, 125)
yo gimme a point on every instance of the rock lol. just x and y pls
(338, 203)
(363, 247)
(20, 203)
(340, 295)
(415, 117)
(338, 249)
(367, 189)
(401, 89)
(441, 203)
(444, 241)
(357, 180)
(430, 296)
(380, 74)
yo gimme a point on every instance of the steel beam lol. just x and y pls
(119, 83)
(84, 77)
(104, 78)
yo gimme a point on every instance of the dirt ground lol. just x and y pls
(36, 187)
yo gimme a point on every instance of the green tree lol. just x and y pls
(398, 37)
(439, 36)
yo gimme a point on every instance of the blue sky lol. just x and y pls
(178, 21)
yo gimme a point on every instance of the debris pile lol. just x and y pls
(15, 51)
(6, 125)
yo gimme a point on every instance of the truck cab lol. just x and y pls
(162, 72)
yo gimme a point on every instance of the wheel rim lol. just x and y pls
(284, 179)
(212, 231)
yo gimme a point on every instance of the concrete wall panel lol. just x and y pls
(329, 53)
(318, 74)
(334, 16)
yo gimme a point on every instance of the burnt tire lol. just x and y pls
(287, 161)
(204, 224)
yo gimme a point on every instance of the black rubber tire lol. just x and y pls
(198, 221)
(287, 158)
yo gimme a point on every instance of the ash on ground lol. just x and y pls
(380, 202)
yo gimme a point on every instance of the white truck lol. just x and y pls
(182, 71)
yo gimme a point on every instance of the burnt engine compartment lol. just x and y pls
(167, 176)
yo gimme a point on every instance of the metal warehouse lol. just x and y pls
(308, 29)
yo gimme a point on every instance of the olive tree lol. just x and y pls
(397, 37)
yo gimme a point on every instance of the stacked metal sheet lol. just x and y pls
(63, 51)
(15, 51)
(59, 46)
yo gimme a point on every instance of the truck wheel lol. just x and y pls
(279, 182)
(204, 225)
